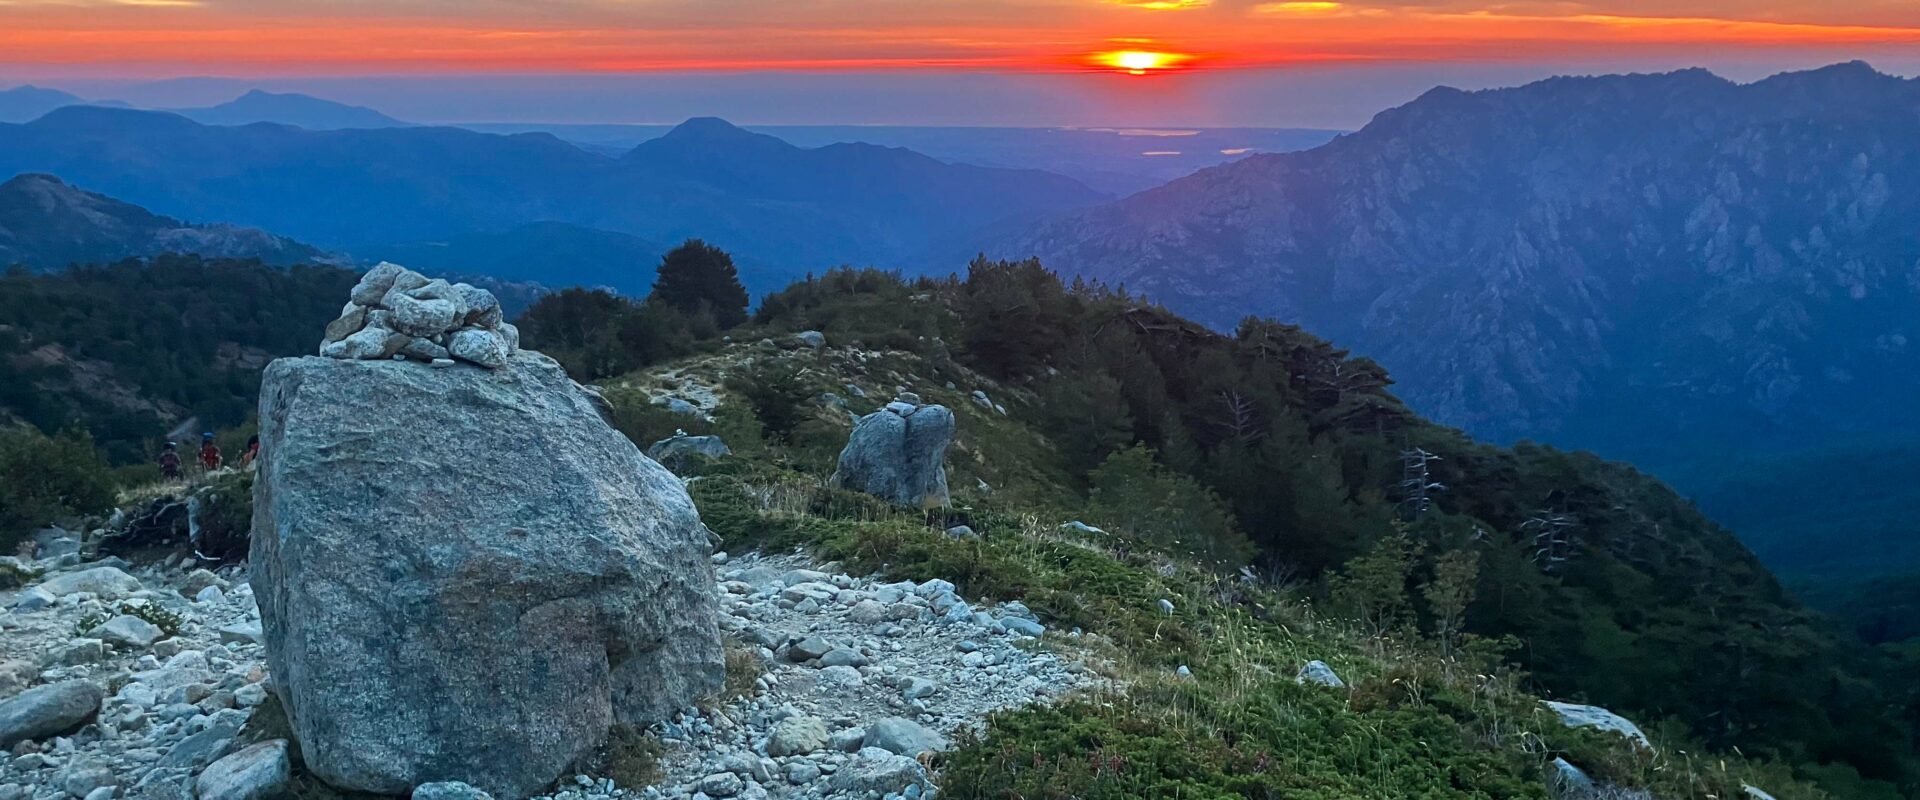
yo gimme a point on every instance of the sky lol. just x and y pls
(1308, 63)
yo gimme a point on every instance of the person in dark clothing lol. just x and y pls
(209, 452)
(170, 462)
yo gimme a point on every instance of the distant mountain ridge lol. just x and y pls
(23, 103)
(356, 190)
(1639, 263)
(47, 224)
(298, 110)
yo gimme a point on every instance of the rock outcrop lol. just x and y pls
(396, 312)
(466, 575)
(899, 454)
(1574, 715)
(678, 450)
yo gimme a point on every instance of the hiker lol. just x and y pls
(252, 452)
(170, 462)
(209, 452)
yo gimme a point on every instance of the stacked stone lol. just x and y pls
(398, 313)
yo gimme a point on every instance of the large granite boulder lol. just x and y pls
(466, 575)
(899, 454)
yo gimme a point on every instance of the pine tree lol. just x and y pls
(697, 277)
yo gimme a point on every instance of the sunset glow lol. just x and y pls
(1138, 62)
(310, 37)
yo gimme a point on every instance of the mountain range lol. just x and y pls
(23, 103)
(298, 110)
(785, 208)
(46, 224)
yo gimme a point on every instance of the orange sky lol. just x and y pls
(344, 37)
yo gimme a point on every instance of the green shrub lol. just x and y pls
(1164, 509)
(43, 479)
(167, 621)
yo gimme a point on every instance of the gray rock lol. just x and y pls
(127, 630)
(1318, 672)
(103, 793)
(210, 595)
(255, 773)
(510, 335)
(483, 309)
(200, 749)
(48, 710)
(797, 735)
(813, 339)
(1574, 715)
(868, 612)
(843, 657)
(962, 532)
(799, 772)
(899, 456)
(165, 784)
(351, 320)
(480, 346)
(371, 343)
(876, 770)
(676, 450)
(199, 579)
(441, 556)
(375, 284)
(1568, 782)
(722, 784)
(809, 649)
(1022, 626)
(903, 736)
(82, 778)
(449, 790)
(847, 740)
(15, 674)
(107, 582)
(420, 349)
(917, 688)
(33, 599)
(242, 633)
(79, 651)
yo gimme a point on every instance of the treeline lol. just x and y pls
(124, 351)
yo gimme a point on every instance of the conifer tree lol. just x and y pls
(697, 277)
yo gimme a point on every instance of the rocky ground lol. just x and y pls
(857, 679)
(158, 709)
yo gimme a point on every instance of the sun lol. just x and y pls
(1138, 62)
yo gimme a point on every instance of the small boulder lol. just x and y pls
(258, 772)
(797, 735)
(48, 710)
(877, 771)
(479, 346)
(1318, 672)
(127, 630)
(810, 339)
(903, 736)
(809, 649)
(674, 452)
(108, 583)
